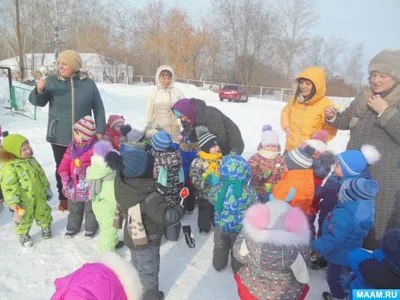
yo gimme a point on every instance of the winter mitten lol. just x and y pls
(268, 187)
(49, 194)
(212, 179)
(267, 174)
(187, 232)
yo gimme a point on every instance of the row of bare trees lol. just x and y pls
(248, 42)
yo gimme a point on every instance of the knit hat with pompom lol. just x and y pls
(269, 137)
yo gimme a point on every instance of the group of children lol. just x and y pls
(263, 210)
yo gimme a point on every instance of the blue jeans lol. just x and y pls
(147, 263)
(334, 278)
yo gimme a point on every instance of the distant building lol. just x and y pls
(100, 68)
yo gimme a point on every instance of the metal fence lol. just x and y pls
(261, 92)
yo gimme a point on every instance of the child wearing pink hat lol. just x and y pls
(113, 130)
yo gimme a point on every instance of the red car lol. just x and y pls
(233, 92)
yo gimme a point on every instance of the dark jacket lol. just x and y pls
(228, 133)
(58, 93)
(373, 270)
(156, 215)
(168, 173)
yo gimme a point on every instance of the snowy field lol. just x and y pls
(185, 273)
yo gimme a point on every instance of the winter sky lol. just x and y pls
(374, 22)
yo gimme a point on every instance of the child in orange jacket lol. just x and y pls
(300, 176)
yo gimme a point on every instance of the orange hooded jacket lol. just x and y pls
(303, 182)
(304, 118)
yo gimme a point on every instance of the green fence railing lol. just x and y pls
(20, 102)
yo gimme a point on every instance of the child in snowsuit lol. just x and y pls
(344, 229)
(107, 277)
(231, 198)
(100, 178)
(349, 164)
(147, 214)
(169, 176)
(204, 172)
(72, 171)
(267, 165)
(379, 269)
(322, 165)
(113, 130)
(25, 187)
(274, 247)
(300, 176)
(188, 151)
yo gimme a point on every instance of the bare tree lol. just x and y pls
(19, 40)
(313, 55)
(333, 56)
(247, 29)
(298, 18)
(7, 25)
(354, 62)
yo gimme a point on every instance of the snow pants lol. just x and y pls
(223, 243)
(37, 210)
(147, 263)
(104, 211)
(206, 213)
(75, 217)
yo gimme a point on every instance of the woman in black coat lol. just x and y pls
(195, 112)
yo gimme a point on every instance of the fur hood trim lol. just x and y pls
(277, 223)
(5, 156)
(126, 273)
(276, 237)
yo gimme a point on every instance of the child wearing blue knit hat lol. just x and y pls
(344, 229)
(168, 172)
(349, 164)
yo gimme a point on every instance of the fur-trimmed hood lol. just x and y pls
(126, 273)
(277, 223)
(107, 277)
(6, 157)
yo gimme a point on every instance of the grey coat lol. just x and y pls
(267, 272)
(58, 94)
(383, 132)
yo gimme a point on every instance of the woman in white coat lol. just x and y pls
(161, 99)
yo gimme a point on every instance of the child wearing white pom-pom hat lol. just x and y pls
(267, 166)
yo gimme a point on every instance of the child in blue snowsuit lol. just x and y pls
(377, 270)
(344, 229)
(349, 164)
(231, 198)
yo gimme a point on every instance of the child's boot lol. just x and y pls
(89, 234)
(328, 296)
(25, 240)
(160, 296)
(70, 234)
(46, 232)
(319, 264)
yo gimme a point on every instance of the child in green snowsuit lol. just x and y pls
(25, 187)
(101, 181)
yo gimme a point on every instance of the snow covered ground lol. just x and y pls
(185, 273)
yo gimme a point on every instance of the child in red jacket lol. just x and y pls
(113, 130)
(72, 170)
